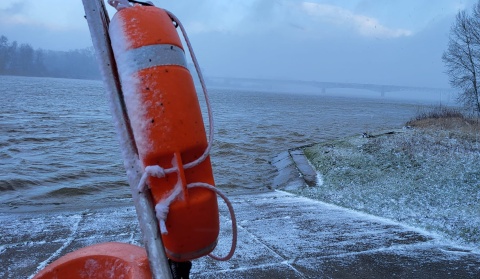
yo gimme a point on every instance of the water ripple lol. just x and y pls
(60, 147)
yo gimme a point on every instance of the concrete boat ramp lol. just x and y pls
(280, 236)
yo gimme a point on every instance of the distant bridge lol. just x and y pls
(277, 83)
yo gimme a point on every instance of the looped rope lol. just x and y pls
(205, 93)
(232, 217)
(155, 171)
(163, 207)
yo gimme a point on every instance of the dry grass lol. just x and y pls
(443, 118)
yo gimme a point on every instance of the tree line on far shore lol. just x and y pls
(22, 60)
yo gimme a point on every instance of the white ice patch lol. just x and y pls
(136, 105)
(91, 268)
(319, 178)
(69, 240)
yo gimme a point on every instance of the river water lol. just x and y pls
(58, 146)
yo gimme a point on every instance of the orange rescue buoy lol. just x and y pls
(167, 125)
(105, 260)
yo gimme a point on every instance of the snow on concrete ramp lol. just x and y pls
(280, 236)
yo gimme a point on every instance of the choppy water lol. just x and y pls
(58, 146)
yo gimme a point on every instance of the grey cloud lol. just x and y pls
(14, 8)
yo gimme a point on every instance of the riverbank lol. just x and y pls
(425, 175)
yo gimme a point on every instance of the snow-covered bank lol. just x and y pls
(426, 176)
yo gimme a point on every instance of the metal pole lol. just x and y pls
(98, 21)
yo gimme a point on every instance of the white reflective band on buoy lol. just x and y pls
(154, 55)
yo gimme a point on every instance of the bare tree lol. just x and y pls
(462, 57)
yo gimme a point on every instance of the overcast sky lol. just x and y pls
(366, 41)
